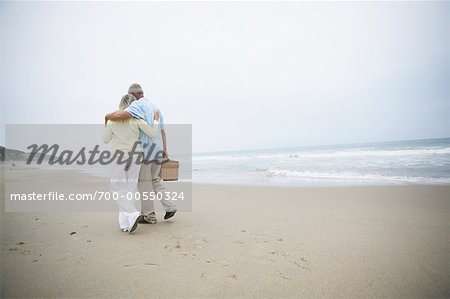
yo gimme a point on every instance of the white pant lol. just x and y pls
(124, 187)
(150, 180)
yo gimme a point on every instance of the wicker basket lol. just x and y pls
(169, 170)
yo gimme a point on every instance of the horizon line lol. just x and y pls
(294, 146)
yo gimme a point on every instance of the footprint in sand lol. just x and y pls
(280, 253)
(283, 276)
(300, 266)
(259, 238)
(305, 260)
(18, 249)
(174, 247)
(200, 243)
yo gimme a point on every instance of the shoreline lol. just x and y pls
(318, 184)
(321, 186)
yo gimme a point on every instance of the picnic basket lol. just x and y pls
(169, 170)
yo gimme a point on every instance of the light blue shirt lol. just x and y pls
(144, 109)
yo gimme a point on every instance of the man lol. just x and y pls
(149, 176)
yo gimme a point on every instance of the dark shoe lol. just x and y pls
(169, 214)
(134, 225)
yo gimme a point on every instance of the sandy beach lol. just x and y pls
(306, 144)
(239, 241)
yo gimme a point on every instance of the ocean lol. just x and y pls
(385, 163)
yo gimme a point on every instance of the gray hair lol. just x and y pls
(126, 101)
(135, 89)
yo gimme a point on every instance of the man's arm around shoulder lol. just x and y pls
(118, 115)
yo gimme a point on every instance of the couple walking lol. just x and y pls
(137, 120)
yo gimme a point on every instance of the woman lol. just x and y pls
(124, 179)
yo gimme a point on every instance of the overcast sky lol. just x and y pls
(246, 75)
